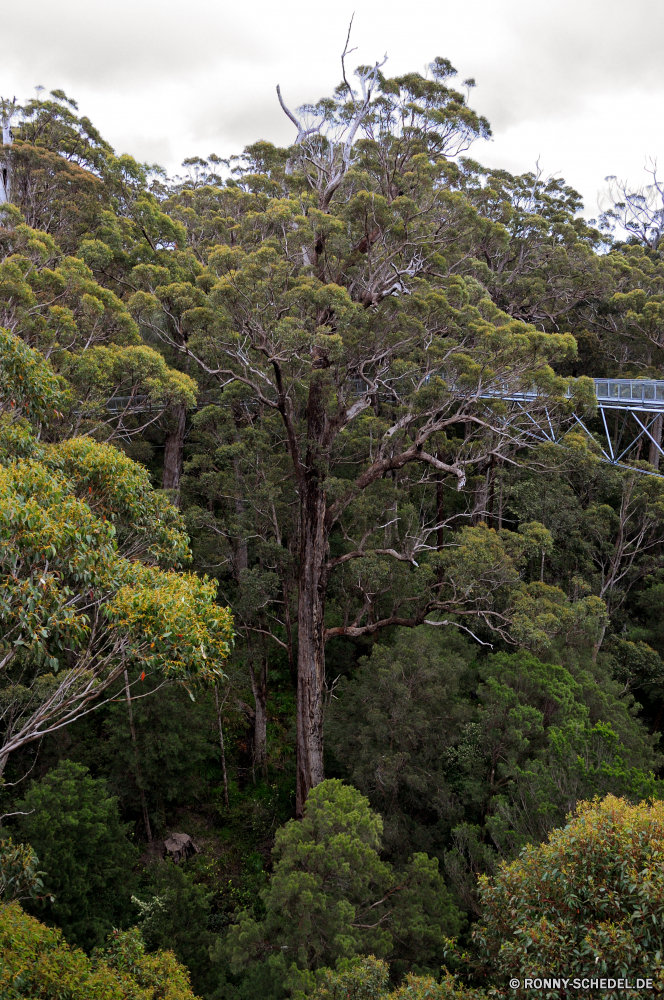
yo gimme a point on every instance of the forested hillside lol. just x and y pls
(307, 620)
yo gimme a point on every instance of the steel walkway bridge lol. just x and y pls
(637, 409)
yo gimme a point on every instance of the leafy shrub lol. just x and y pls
(75, 828)
(331, 896)
(35, 961)
(590, 900)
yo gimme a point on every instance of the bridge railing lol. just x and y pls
(621, 391)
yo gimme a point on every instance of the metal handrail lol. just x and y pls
(619, 391)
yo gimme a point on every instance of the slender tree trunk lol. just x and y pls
(5, 164)
(221, 741)
(292, 666)
(259, 691)
(5, 181)
(598, 644)
(174, 451)
(440, 508)
(311, 646)
(139, 780)
(656, 431)
(239, 542)
(479, 512)
(500, 504)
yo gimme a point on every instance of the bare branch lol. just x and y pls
(300, 130)
(458, 625)
(7, 815)
(347, 52)
(271, 635)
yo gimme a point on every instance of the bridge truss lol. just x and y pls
(635, 408)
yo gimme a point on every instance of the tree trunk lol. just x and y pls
(5, 164)
(311, 646)
(259, 691)
(598, 643)
(173, 453)
(239, 544)
(139, 779)
(5, 182)
(656, 431)
(221, 741)
(440, 508)
(500, 503)
(292, 667)
(480, 499)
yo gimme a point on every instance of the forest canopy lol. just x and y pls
(330, 602)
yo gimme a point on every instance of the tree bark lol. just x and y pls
(500, 502)
(656, 431)
(311, 643)
(5, 163)
(259, 691)
(492, 492)
(597, 645)
(292, 666)
(174, 452)
(440, 511)
(479, 512)
(239, 544)
(221, 741)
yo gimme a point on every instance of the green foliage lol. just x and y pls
(176, 745)
(81, 529)
(330, 895)
(472, 759)
(118, 490)
(51, 546)
(447, 988)
(190, 634)
(111, 385)
(36, 961)
(366, 978)
(175, 915)
(391, 726)
(158, 973)
(592, 893)
(28, 385)
(59, 549)
(19, 878)
(580, 762)
(74, 826)
(54, 303)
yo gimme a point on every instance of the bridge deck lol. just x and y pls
(642, 395)
(632, 394)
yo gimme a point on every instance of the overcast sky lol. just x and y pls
(577, 83)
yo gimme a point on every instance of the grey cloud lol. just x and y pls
(163, 80)
(559, 57)
(128, 41)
